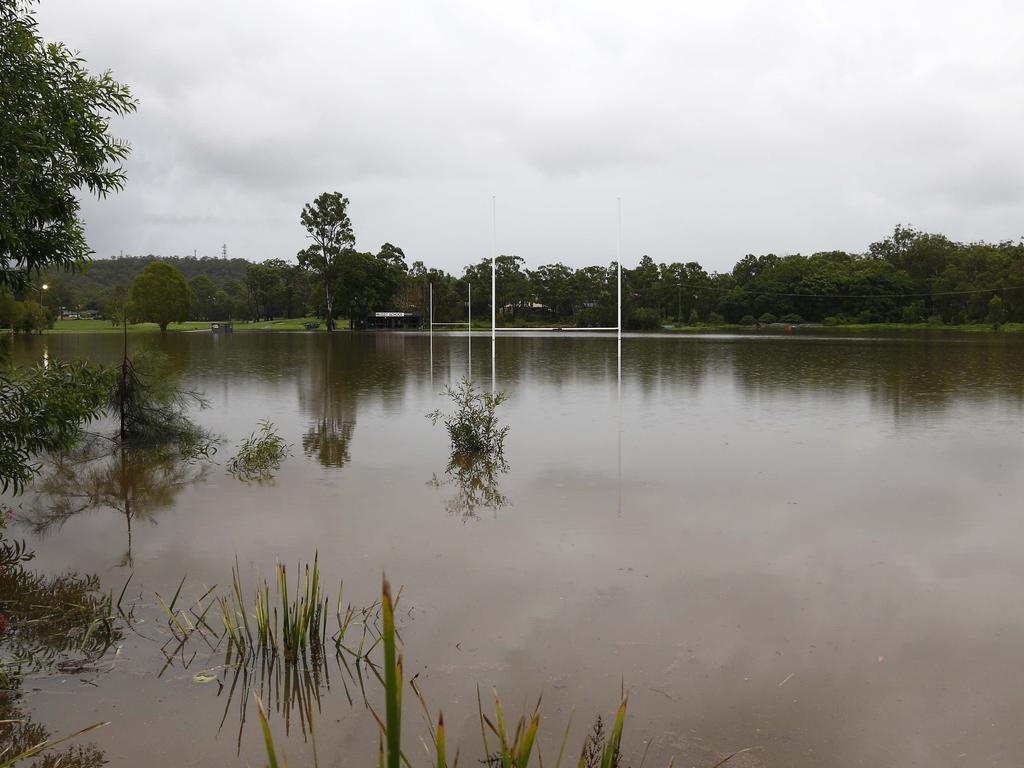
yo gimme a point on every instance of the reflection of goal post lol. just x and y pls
(494, 293)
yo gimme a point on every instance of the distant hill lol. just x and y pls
(87, 286)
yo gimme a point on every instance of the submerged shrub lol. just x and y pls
(152, 407)
(260, 454)
(473, 428)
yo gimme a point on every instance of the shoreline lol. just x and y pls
(295, 325)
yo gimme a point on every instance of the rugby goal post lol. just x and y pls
(494, 293)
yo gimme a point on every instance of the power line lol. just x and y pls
(697, 286)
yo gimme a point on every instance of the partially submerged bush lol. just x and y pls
(473, 429)
(152, 407)
(260, 454)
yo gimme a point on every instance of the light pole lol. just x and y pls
(43, 287)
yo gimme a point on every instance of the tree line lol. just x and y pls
(909, 276)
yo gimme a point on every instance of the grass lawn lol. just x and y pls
(104, 326)
(296, 324)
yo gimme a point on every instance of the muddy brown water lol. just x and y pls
(806, 544)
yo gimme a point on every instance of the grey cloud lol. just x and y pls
(727, 127)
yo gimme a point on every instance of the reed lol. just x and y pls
(515, 748)
(293, 623)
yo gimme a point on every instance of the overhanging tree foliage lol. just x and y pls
(42, 410)
(54, 141)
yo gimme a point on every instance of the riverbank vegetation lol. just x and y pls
(910, 279)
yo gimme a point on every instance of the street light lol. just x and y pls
(43, 287)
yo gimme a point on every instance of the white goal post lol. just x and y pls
(494, 298)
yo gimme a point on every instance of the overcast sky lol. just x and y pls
(726, 127)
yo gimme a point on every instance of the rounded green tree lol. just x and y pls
(160, 295)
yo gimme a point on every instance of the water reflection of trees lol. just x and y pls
(475, 482)
(909, 374)
(136, 483)
(49, 622)
(18, 734)
(349, 367)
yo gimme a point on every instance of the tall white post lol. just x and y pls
(469, 328)
(431, 314)
(494, 294)
(618, 263)
(618, 348)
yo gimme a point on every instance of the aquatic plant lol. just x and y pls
(473, 428)
(477, 449)
(260, 454)
(277, 639)
(512, 747)
(299, 628)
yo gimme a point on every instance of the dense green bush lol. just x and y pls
(473, 428)
(767, 319)
(792, 318)
(260, 455)
(748, 320)
(996, 314)
(645, 319)
(913, 312)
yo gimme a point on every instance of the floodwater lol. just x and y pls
(806, 544)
